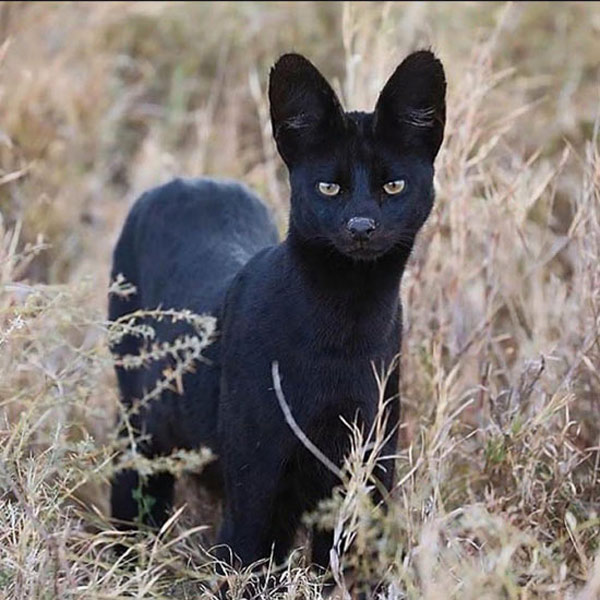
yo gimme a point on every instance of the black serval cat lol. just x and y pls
(324, 302)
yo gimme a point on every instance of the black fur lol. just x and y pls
(324, 303)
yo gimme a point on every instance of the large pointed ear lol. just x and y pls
(411, 109)
(304, 108)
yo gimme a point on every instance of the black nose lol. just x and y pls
(361, 228)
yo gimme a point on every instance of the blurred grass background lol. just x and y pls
(101, 100)
(501, 362)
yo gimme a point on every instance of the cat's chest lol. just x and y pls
(324, 382)
(339, 336)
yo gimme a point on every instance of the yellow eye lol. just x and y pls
(394, 187)
(329, 189)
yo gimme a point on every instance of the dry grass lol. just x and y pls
(498, 470)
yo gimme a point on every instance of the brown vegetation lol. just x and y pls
(498, 472)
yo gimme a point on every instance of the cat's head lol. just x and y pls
(361, 182)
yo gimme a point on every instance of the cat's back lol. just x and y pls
(188, 239)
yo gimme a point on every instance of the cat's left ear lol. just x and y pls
(411, 109)
(305, 112)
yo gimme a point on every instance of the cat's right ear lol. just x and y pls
(411, 110)
(304, 108)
